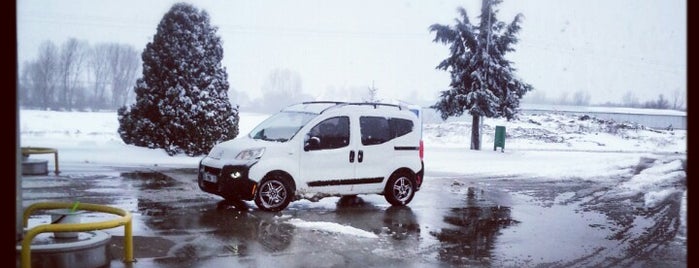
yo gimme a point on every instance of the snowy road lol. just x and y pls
(484, 220)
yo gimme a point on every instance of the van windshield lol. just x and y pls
(281, 127)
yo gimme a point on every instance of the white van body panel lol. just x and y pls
(353, 168)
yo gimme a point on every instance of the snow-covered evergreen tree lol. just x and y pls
(182, 100)
(483, 82)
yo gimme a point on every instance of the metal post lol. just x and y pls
(128, 244)
(55, 155)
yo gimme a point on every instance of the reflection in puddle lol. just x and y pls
(401, 222)
(475, 228)
(150, 180)
(227, 229)
(549, 235)
(397, 222)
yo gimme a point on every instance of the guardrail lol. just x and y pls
(26, 151)
(124, 220)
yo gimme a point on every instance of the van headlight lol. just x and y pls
(249, 154)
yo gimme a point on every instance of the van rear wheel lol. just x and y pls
(274, 193)
(400, 189)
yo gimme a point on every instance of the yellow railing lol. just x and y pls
(124, 220)
(26, 151)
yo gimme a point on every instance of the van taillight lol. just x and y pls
(422, 150)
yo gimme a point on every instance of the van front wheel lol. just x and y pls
(400, 189)
(274, 194)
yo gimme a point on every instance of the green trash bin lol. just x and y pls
(499, 138)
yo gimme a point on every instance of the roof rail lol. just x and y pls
(340, 104)
(323, 102)
(375, 104)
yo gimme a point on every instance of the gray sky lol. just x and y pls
(605, 47)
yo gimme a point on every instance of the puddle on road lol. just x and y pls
(219, 230)
(494, 223)
(541, 225)
(551, 234)
(554, 225)
(150, 180)
(473, 235)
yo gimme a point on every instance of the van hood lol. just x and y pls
(230, 149)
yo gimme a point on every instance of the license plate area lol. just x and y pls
(208, 177)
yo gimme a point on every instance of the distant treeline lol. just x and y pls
(582, 98)
(78, 76)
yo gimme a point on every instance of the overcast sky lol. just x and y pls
(605, 47)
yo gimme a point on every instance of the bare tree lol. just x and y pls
(78, 76)
(45, 73)
(282, 88)
(536, 96)
(27, 86)
(661, 103)
(629, 99)
(677, 99)
(581, 98)
(70, 70)
(99, 73)
(563, 98)
(124, 63)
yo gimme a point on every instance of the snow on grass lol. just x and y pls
(549, 165)
(92, 138)
(555, 131)
(332, 228)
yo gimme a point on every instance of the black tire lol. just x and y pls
(400, 188)
(274, 193)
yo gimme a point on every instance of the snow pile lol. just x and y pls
(657, 182)
(332, 228)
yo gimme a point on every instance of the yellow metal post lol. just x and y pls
(26, 151)
(124, 220)
(128, 243)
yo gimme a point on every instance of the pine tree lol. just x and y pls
(483, 82)
(182, 97)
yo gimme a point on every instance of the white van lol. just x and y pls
(317, 149)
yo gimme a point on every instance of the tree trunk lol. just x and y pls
(475, 132)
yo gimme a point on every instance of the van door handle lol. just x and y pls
(360, 156)
(351, 156)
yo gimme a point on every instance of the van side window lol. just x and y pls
(375, 130)
(331, 133)
(400, 126)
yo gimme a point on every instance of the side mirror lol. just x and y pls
(313, 143)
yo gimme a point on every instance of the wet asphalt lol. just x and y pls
(452, 221)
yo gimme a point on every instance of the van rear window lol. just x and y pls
(400, 126)
(378, 130)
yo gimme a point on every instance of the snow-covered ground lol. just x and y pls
(541, 146)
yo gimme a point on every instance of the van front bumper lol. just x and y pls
(230, 182)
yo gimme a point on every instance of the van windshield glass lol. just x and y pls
(281, 127)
